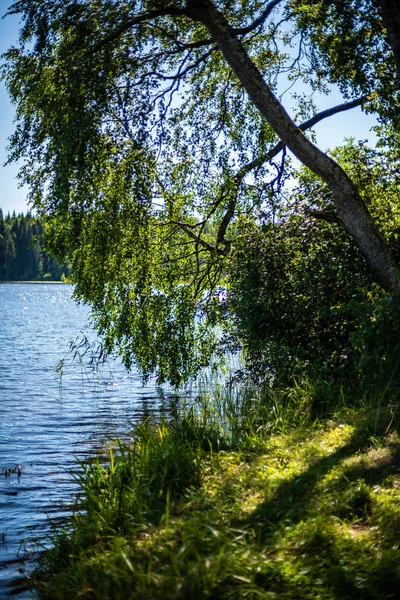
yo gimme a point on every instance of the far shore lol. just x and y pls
(42, 282)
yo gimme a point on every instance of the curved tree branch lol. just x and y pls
(189, 230)
(260, 20)
(263, 158)
(186, 227)
(181, 72)
(324, 114)
(136, 20)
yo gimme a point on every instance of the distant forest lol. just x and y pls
(22, 257)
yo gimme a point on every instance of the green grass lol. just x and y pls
(290, 494)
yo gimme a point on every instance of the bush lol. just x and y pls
(303, 302)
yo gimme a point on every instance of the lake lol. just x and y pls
(45, 426)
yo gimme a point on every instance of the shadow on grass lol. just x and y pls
(292, 498)
(288, 520)
(310, 537)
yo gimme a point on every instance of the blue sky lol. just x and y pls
(11, 197)
(330, 132)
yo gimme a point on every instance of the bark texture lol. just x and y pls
(351, 210)
(390, 11)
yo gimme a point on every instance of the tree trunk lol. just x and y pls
(390, 11)
(351, 210)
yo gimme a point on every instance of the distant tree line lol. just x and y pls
(22, 254)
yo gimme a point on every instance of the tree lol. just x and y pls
(390, 11)
(150, 128)
(22, 253)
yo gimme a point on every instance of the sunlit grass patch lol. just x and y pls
(387, 513)
(207, 506)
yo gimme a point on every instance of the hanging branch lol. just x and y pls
(263, 158)
(136, 20)
(175, 11)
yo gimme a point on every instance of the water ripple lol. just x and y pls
(45, 428)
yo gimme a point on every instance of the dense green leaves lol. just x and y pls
(302, 297)
(150, 164)
(350, 48)
(130, 149)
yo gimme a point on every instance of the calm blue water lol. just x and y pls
(44, 427)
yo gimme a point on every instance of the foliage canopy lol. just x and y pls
(152, 135)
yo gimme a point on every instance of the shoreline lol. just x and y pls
(40, 282)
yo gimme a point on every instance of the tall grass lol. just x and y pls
(148, 483)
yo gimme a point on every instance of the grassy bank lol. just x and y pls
(286, 494)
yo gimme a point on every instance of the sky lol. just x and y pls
(330, 133)
(11, 197)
